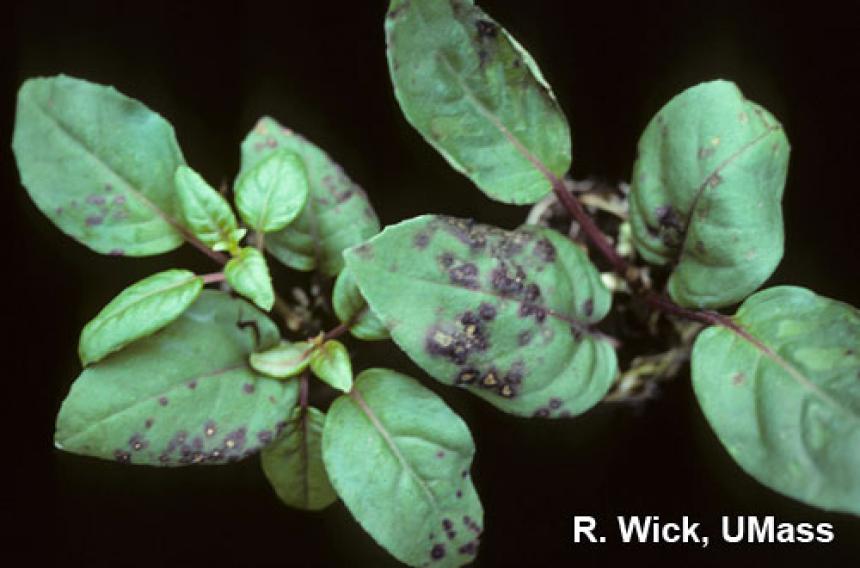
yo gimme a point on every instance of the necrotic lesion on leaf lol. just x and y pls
(99, 164)
(507, 315)
(183, 396)
(399, 458)
(706, 194)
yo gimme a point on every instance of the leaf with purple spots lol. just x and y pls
(477, 97)
(181, 396)
(331, 364)
(706, 193)
(351, 307)
(273, 192)
(337, 215)
(99, 165)
(508, 315)
(140, 310)
(399, 459)
(294, 466)
(248, 274)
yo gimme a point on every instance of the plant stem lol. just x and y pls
(213, 277)
(629, 273)
(666, 305)
(590, 228)
(336, 331)
(344, 326)
(198, 244)
(708, 317)
(303, 391)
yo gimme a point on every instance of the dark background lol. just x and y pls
(319, 67)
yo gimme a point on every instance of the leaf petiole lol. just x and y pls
(213, 277)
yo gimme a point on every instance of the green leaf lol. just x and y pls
(98, 164)
(284, 360)
(706, 194)
(350, 306)
(182, 396)
(507, 315)
(205, 212)
(400, 458)
(140, 310)
(331, 364)
(336, 216)
(272, 193)
(248, 274)
(783, 394)
(294, 465)
(477, 97)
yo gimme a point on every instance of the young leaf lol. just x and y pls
(350, 306)
(98, 164)
(294, 465)
(284, 360)
(273, 192)
(477, 97)
(783, 394)
(248, 274)
(507, 315)
(139, 310)
(400, 458)
(205, 212)
(331, 364)
(182, 396)
(336, 216)
(706, 194)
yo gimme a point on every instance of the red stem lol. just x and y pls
(708, 317)
(662, 303)
(213, 277)
(198, 244)
(337, 331)
(303, 391)
(589, 227)
(344, 326)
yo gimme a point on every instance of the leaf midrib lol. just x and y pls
(211, 211)
(491, 116)
(135, 303)
(804, 382)
(300, 429)
(736, 155)
(89, 152)
(395, 450)
(180, 383)
(573, 322)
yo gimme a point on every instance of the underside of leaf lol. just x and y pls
(294, 466)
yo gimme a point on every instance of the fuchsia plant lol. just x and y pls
(183, 369)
